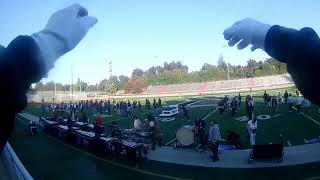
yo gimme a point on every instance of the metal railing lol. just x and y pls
(13, 166)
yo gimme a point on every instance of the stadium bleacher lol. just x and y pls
(268, 81)
(258, 83)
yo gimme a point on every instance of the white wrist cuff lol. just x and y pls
(51, 47)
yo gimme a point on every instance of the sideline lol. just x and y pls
(111, 162)
(310, 118)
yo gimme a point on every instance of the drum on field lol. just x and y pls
(185, 135)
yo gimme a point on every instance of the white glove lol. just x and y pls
(249, 31)
(63, 32)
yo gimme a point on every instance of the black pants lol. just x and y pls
(298, 108)
(185, 115)
(249, 114)
(215, 151)
(233, 112)
(201, 138)
(221, 111)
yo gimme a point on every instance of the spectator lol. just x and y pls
(214, 139)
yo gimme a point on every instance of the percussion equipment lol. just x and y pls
(185, 135)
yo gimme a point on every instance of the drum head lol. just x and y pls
(185, 136)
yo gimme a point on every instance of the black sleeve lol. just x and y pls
(20, 65)
(301, 51)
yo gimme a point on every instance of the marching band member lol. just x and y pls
(290, 102)
(306, 104)
(201, 132)
(286, 95)
(214, 139)
(137, 125)
(252, 130)
(274, 104)
(298, 103)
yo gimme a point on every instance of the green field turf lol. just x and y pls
(293, 127)
(48, 158)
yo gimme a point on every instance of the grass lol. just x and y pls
(48, 158)
(293, 127)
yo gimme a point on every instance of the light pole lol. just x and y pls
(228, 71)
(72, 80)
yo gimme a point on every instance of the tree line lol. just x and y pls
(173, 73)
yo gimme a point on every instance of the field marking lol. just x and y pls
(170, 141)
(307, 116)
(289, 143)
(210, 114)
(111, 162)
(193, 103)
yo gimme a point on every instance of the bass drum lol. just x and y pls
(185, 135)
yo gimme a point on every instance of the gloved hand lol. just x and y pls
(249, 31)
(63, 32)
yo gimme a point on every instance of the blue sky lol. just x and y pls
(143, 33)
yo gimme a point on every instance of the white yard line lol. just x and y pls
(308, 117)
(210, 114)
(311, 118)
(193, 103)
(289, 143)
(170, 141)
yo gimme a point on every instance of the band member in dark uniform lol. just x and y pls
(115, 130)
(239, 100)
(159, 102)
(233, 138)
(249, 106)
(195, 131)
(274, 104)
(85, 119)
(233, 107)
(221, 106)
(201, 132)
(151, 129)
(286, 95)
(185, 112)
(69, 122)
